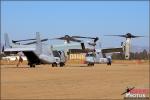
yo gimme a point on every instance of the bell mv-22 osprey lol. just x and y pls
(39, 53)
(35, 51)
(126, 45)
(92, 55)
(99, 55)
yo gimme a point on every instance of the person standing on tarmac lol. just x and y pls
(20, 58)
(109, 61)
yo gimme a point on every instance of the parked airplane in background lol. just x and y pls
(99, 55)
(127, 44)
(37, 53)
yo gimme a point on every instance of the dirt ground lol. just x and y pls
(74, 81)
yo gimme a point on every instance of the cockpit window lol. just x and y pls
(56, 54)
(90, 55)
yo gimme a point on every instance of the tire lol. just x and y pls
(93, 64)
(54, 64)
(110, 64)
(90, 64)
(61, 64)
(32, 65)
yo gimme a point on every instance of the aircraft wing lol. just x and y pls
(67, 46)
(111, 50)
(18, 49)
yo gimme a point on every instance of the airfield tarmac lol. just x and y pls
(75, 81)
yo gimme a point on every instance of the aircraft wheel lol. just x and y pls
(62, 64)
(89, 64)
(54, 64)
(109, 63)
(32, 65)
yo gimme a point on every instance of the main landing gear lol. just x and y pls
(90, 64)
(61, 64)
(31, 65)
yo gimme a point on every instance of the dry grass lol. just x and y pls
(74, 81)
(5, 62)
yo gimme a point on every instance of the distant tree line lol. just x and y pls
(133, 55)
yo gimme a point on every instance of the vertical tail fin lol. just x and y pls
(6, 39)
(38, 43)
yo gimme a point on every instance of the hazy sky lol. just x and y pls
(85, 18)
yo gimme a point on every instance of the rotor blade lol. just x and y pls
(116, 35)
(15, 41)
(68, 39)
(35, 42)
(30, 43)
(136, 36)
(61, 38)
(83, 37)
(95, 38)
(128, 35)
(44, 40)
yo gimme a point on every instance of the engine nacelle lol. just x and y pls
(127, 48)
